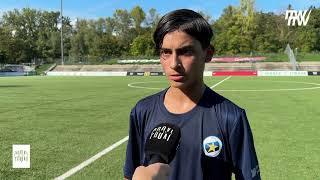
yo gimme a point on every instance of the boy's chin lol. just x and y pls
(185, 85)
(179, 85)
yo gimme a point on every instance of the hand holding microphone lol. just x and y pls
(157, 171)
(160, 149)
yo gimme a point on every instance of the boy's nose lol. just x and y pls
(175, 61)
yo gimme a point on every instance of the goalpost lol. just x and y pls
(291, 57)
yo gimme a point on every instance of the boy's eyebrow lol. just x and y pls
(180, 48)
(185, 47)
(166, 49)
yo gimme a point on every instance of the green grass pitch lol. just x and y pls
(66, 120)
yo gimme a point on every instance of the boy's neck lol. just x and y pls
(180, 101)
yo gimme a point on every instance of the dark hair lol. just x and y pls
(187, 21)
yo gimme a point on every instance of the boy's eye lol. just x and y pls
(164, 53)
(186, 52)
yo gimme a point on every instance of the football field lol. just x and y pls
(67, 120)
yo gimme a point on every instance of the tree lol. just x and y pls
(307, 38)
(143, 45)
(79, 47)
(48, 35)
(110, 25)
(138, 17)
(123, 24)
(4, 44)
(152, 18)
(206, 16)
(227, 30)
(266, 35)
(108, 47)
(29, 34)
(24, 25)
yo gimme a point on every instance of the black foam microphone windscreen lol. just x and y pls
(162, 143)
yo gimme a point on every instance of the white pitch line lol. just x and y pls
(220, 82)
(133, 85)
(317, 86)
(267, 90)
(91, 160)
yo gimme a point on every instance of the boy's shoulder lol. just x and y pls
(219, 101)
(226, 110)
(148, 102)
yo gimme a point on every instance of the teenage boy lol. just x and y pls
(216, 138)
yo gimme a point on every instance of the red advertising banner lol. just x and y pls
(234, 73)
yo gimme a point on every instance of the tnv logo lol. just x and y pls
(294, 16)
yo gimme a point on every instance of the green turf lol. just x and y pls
(66, 120)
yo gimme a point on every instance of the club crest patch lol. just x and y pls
(212, 146)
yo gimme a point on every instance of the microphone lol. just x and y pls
(162, 143)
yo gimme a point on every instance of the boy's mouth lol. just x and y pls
(176, 77)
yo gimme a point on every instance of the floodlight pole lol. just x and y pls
(62, 58)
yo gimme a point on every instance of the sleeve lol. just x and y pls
(132, 160)
(243, 153)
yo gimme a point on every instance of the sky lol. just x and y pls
(93, 9)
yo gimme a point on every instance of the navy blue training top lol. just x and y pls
(216, 139)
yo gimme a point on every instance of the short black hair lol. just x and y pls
(184, 20)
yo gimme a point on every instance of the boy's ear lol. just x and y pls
(209, 53)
